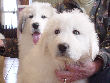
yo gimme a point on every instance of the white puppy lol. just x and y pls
(68, 37)
(32, 20)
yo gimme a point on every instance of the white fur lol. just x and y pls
(40, 64)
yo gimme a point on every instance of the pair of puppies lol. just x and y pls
(68, 37)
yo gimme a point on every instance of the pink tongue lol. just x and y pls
(36, 38)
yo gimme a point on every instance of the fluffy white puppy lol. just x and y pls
(68, 38)
(32, 21)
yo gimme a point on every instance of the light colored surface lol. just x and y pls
(10, 70)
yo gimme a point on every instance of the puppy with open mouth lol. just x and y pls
(32, 21)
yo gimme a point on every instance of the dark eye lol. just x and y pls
(30, 16)
(57, 31)
(43, 16)
(76, 32)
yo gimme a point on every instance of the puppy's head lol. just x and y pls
(32, 19)
(71, 35)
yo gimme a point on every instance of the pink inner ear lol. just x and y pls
(36, 38)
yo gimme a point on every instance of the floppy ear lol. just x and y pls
(22, 16)
(94, 46)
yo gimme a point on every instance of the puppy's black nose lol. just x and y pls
(63, 47)
(35, 25)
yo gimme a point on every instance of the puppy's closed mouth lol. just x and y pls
(36, 36)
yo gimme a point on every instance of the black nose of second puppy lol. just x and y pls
(35, 25)
(63, 47)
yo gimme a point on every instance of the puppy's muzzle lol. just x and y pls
(63, 48)
(36, 27)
